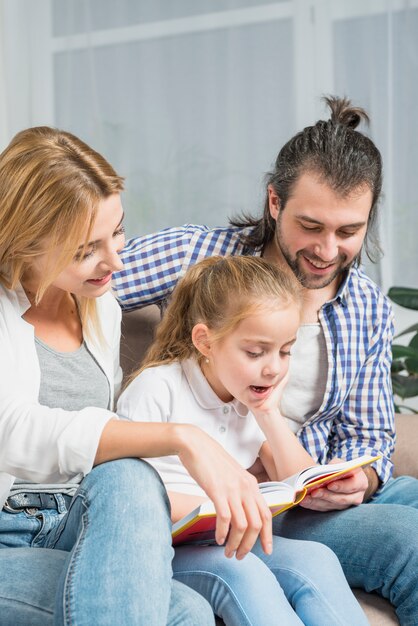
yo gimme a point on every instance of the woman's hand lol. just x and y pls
(242, 514)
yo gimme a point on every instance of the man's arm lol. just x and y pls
(364, 424)
(152, 265)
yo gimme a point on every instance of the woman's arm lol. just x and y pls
(240, 508)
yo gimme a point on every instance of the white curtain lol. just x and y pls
(191, 101)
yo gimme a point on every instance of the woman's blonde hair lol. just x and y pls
(51, 183)
(219, 292)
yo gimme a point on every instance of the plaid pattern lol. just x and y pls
(356, 415)
(153, 264)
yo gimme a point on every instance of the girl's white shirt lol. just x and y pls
(37, 443)
(180, 393)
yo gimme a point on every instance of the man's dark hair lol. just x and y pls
(341, 156)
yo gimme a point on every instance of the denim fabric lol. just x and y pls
(105, 562)
(401, 490)
(376, 543)
(301, 582)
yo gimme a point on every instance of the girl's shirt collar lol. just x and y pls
(203, 392)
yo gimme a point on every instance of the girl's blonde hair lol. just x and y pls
(218, 292)
(51, 183)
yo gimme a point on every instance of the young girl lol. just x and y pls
(219, 362)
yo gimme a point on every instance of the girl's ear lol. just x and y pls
(201, 339)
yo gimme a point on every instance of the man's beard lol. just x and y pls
(310, 281)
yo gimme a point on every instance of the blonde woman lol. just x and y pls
(85, 528)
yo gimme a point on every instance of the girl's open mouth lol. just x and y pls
(259, 390)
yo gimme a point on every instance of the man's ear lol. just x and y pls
(201, 337)
(274, 202)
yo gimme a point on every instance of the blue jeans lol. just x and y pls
(376, 542)
(301, 582)
(106, 561)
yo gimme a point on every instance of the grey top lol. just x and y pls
(70, 381)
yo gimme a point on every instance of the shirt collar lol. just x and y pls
(22, 299)
(341, 295)
(203, 392)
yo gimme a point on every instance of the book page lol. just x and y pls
(276, 487)
(325, 473)
(278, 497)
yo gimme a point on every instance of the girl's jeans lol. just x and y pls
(300, 583)
(105, 562)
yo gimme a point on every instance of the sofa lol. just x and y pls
(137, 333)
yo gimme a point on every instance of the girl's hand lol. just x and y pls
(242, 514)
(271, 405)
(281, 454)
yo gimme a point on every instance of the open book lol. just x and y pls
(199, 525)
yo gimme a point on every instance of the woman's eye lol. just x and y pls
(119, 231)
(80, 257)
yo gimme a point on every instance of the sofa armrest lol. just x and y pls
(405, 457)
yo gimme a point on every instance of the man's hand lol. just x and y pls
(242, 513)
(340, 494)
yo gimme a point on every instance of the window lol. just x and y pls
(191, 105)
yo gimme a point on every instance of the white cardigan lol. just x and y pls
(37, 443)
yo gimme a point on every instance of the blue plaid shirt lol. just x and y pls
(356, 415)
